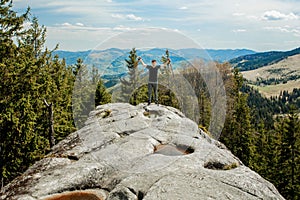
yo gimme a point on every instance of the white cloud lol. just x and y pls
(144, 38)
(278, 28)
(122, 28)
(239, 30)
(74, 37)
(284, 29)
(66, 24)
(82, 28)
(253, 17)
(118, 16)
(276, 15)
(127, 17)
(79, 24)
(205, 21)
(77, 27)
(133, 17)
(183, 8)
(238, 14)
(71, 37)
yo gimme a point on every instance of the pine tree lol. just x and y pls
(288, 179)
(239, 131)
(193, 76)
(56, 87)
(266, 153)
(102, 96)
(169, 69)
(128, 86)
(83, 93)
(271, 154)
(15, 107)
(167, 97)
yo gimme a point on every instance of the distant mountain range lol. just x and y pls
(222, 55)
(111, 62)
(258, 60)
(112, 66)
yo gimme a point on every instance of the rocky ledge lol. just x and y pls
(129, 152)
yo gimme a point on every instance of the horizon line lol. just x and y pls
(152, 48)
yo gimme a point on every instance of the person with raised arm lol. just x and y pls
(153, 78)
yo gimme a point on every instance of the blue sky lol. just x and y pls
(260, 25)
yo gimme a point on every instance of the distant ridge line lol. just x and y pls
(258, 60)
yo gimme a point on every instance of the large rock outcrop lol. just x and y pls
(127, 152)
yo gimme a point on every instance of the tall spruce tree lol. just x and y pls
(83, 94)
(169, 69)
(238, 136)
(288, 169)
(130, 84)
(167, 96)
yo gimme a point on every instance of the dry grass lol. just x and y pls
(283, 69)
(274, 90)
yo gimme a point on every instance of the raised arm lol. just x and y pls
(141, 60)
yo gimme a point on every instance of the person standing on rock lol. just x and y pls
(153, 78)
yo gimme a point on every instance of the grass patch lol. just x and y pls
(274, 90)
(216, 165)
(230, 166)
(146, 114)
(104, 114)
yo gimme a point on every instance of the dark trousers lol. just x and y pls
(153, 86)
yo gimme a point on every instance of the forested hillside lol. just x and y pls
(43, 100)
(265, 110)
(254, 61)
(36, 93)
(272, 79)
